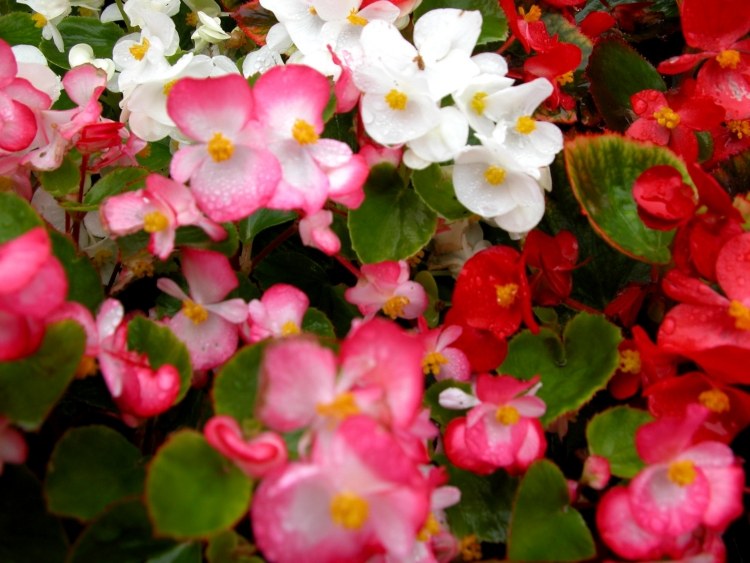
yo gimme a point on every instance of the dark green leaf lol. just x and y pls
(17, 28)
(182, 553)
(197, 238)
(317, 322)
(435, 186)
(84, 283)
(63, 180)
(230, 547)
(236, 385)
(156, 158)
(261, 220)
(75, 29)
(116, 182)
(611, 434)
(17, 216)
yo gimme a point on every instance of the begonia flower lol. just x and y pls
(552, 261)
(386, 286)
(442, 360)
(13, 448)
(278, 313)
(663, 199)
(315, 231)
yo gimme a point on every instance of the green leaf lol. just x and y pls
(230, 547)
(262, 220)
(494, 24)
(616, 72)
(30, 387)
(317, 322)
(572, 370)
(63, 180)
(17, 28)
(485, 506)
(236, 386)
(90, 468)
(544, 527)
(156, 158)
(17, 216)
(439, 413)
(28, 533)
(116, 182)
(192, 491)
(182, 553)
(75, 29)
(393, 223)
(197, 238)
(602, 170)
(435, 186)
(162, 347)
(611, 434)
(84, 283)
(122, 534)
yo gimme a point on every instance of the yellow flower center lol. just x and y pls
(394, 307)
(477, 102)
(630, 361)
(101, 257)
(304, 133)
(495, 175)
(431, 528)
(681, 472)
(39, 20)
(220, 148)
(533, 15)
(194, 311)
(343, 406)
(432, 362)
(155, 221)
(741, 315)
(168, 87)
(349, 510)
(86, 367)
(566, 78)
(191, 19)
(396, 100)
(729, 58)
(507, 415)
(139, 51)
(355, 19)
(714, 400)
(525, 124)
(140, 267)
(313, 11)
(469, 548)
(739, 127)
(289, 328)
(666, 117)
(506, 294)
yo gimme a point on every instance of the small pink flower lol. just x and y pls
(596, 472)
(386, 286)
(279, 312)
(13, 448)
(315, 231)
(441, 360)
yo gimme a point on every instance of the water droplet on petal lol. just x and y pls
(668, 326)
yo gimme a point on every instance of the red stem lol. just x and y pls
(574, 304)
(78, 216)
(348, 265)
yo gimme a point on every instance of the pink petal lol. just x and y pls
(314, 231)
(20, 336)
(17, 125)
(346, 182)
(620, 531)
(233, 310)
(210, 343)
(21, 259)
(209, 275)
(13, 448)
(725, 504)
(8, 65)
(84, 83)
(42, 295)
(123, 214)
(147, 392)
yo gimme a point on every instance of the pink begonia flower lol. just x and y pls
(380, 374)
(207, 325)
(358, 496)
(293, 120)
(596, 472)
(279, 312)
(32, 285)
(502, 430)
(386, 286)
(159, 209)
(231, 172)
(256, 456)
(442, 360)
(13, 448)
(315, 231)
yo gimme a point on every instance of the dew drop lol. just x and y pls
(668, 326)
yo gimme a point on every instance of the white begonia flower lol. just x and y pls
(47, 14)
(208, 32)
(342, 32)
(32, 65)
(453, 247)
(457, 399)
(490, 183)
(278, 42)
(82, 54)
(302, 22)
(532, 143)
(440, 144)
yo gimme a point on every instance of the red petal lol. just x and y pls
(713, 27)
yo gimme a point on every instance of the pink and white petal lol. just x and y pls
(20, 336)
(210, 343)
(186, 161)
(147, 392)
(175, 196)
(298, 375)
(84, 83)
(532, 448)
(170, 287)
(286, 303)
(346, 183)
(25, 92)
(214, 231)
(203, 107)
(459, 453)
(668, 437)
(315, 231)
(303, 184)
(529, 406)
(390, 126)
(8, 65)
(233, 189)
(123, 214)
(330, 153)
(110, 316)
(386, 275)
(209, 275)
(21, 259)
(499, 390)
(18, 125)
(727, 484)
(492, 441)
(233, 310)
(396, 517)
(709, 455)
(417, 297)
(44, 293)
(161, 243)
(458, 367)
(13, 448)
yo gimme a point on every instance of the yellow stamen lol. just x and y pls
(312, 11)
(39, 20)
(289, 328)
(566, 78)
(431, 528)
(155, 221)
(349, 510)
(525, 124)
(507, 415)
(191, 19)
(495, 175)
(140, 266)
(394, 307)
(741, 315)
(469, 548)
(681, 472)
(533, 15)
(304, 133)
(477, 102)
(139, 51)
(666, 117)
(506, 294)
(714, 400)
(220, 148)
(739, 127)
(86, 367)
(168, 87)
(343, 406)
(630, 361)
(194, 311)
(432, 362)
(729, 58)
(355, 19)
(396, 100)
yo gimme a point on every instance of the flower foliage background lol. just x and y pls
(391, 280)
